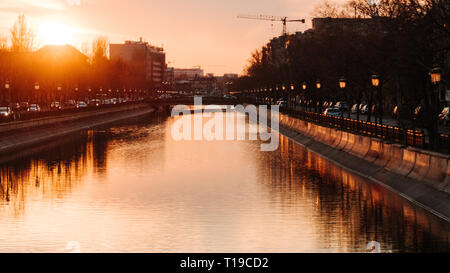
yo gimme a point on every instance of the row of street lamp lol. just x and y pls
(376, 81)
(435, 75)
(37, 87)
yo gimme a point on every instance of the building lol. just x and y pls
(169, 76)
(204, 85)
(188, 73)
(225, 83)
(231, 76)
(149, 61)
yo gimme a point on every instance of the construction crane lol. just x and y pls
(283, 19)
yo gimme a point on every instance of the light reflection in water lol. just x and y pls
(132, 188)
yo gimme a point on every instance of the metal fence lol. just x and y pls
(407, 137)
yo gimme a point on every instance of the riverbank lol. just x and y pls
(27, 137)
(419, 176)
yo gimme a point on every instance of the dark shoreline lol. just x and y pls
(28, 141)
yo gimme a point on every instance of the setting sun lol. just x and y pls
(55, 33)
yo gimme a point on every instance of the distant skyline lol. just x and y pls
(193, 32)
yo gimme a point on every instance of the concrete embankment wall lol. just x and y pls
(420, 176)
(22, 137)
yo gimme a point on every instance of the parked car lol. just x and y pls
(16, 107)
(81, 104)
(7, 113)
(55, 105)
(364, 109)
(70, 103)
(95, 103)
(355, 108)
(34, 108)
(444, 116)
(165, 96)
(332, 112)
(282, 104)
(341, 105)
(24, 105)
(227, 96)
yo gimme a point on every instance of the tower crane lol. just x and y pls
(282, 19)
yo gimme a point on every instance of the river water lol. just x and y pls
(133, 188)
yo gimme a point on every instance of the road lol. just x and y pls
(387, 120)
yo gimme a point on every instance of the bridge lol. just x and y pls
(206, 100)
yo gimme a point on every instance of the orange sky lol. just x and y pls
(193, 32)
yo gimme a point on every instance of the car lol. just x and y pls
(16, 107)
(7, 113)
(70, 103)
(341, 105)
(55, 105)
(81, 104)
(24, 105)
(282, 104)
(165, 96)
(34, 108)
(335, 112)
(364, 109)
(355, 108)
(444, 116)
(227, 96)
(95, 103)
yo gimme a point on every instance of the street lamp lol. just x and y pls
(376, 82)
(436, 75)
(7, 86)
(36, 88)
(318, 85)
(59, 88)
(304, 87)
(342, 83)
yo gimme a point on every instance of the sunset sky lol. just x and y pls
(193, 32)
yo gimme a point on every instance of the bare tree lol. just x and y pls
(331, 9)
(100, 49)
(22, 37)
(3, 43)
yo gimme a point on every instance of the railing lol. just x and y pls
(407, 137)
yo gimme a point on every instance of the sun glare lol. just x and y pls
(54, 33)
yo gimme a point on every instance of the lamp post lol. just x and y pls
(376, 83)
(304, 87)
(59, 95)
(343, 86)
(292, 96)
(36, 88)
(435, 76)
(318, 87)
(7, 87)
